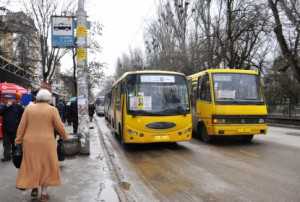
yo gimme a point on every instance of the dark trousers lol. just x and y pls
(9, 144)
(75, 126)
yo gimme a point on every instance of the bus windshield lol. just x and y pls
(237, 88)
(157, 94)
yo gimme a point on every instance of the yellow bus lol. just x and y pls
(227, 102)
(151, 106)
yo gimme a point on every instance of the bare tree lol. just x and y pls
(281, 86)
(95, 76)
(190, 36)
(166, 38)
(242, 34)
(130, 62)
(287, 36)
(41, 11)
(204, 44)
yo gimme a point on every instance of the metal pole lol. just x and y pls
(82, 87)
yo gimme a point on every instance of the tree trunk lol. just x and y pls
(285, 50)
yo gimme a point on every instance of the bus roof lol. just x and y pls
(146, 72)
(243, 71)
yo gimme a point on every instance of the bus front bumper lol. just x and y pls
(239, 129)
(143, 137)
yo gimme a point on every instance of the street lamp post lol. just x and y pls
(82, 87)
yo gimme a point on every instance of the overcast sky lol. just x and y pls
(123, 22)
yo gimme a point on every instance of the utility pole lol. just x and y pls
(82, 87)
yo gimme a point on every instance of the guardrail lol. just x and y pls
(283, 120)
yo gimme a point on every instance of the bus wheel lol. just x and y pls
(204, 135)
(247, 138)
(125, 145)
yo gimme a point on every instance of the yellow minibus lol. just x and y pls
(151, 106)
(227, 102)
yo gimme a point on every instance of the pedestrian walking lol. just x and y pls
(74, 115)
(91, 111)
(11, 113)
(40, 166)
(68, 113)
(62, 110)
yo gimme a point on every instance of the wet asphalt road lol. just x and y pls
(268, 169)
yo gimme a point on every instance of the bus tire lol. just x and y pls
(124, 145)
(197, 133)
(204, 135)
(247, 138)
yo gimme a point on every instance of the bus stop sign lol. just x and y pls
(62, 32)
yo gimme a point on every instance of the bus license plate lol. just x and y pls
(244, 130)
(162, 138)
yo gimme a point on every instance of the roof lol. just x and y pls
(146, 72)
(241, 71)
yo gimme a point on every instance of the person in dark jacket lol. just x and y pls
(68, 113)
(11, 113)
(62, 110)
(74, 115)
(91, 111)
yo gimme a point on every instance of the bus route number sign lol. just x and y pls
(157, 79)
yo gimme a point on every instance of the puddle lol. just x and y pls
(107, 192)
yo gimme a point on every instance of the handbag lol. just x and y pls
(60, 150)
(17, 156)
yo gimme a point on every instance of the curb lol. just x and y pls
(123, 196)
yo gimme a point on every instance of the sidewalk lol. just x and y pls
(84, 178)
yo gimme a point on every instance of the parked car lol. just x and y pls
(107, 106)
(99, 104)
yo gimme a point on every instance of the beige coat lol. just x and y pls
(40, 166)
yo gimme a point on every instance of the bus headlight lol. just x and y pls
(261, 120)
(188, 130)
(220, 121)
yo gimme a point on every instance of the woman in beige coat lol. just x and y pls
(40, 166)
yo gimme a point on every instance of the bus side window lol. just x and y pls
(118, 97)
(122, 92)
(204, 89)
(194, 93)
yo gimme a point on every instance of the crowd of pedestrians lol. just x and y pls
(35, 128)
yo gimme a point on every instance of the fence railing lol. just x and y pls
(291, 111)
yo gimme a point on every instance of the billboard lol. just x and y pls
(62, 29)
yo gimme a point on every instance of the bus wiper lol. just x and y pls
(231, 100)
(227, 98)
(143, 112)
(177, 110)
(181, 110)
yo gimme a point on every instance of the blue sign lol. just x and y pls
(62, 30)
